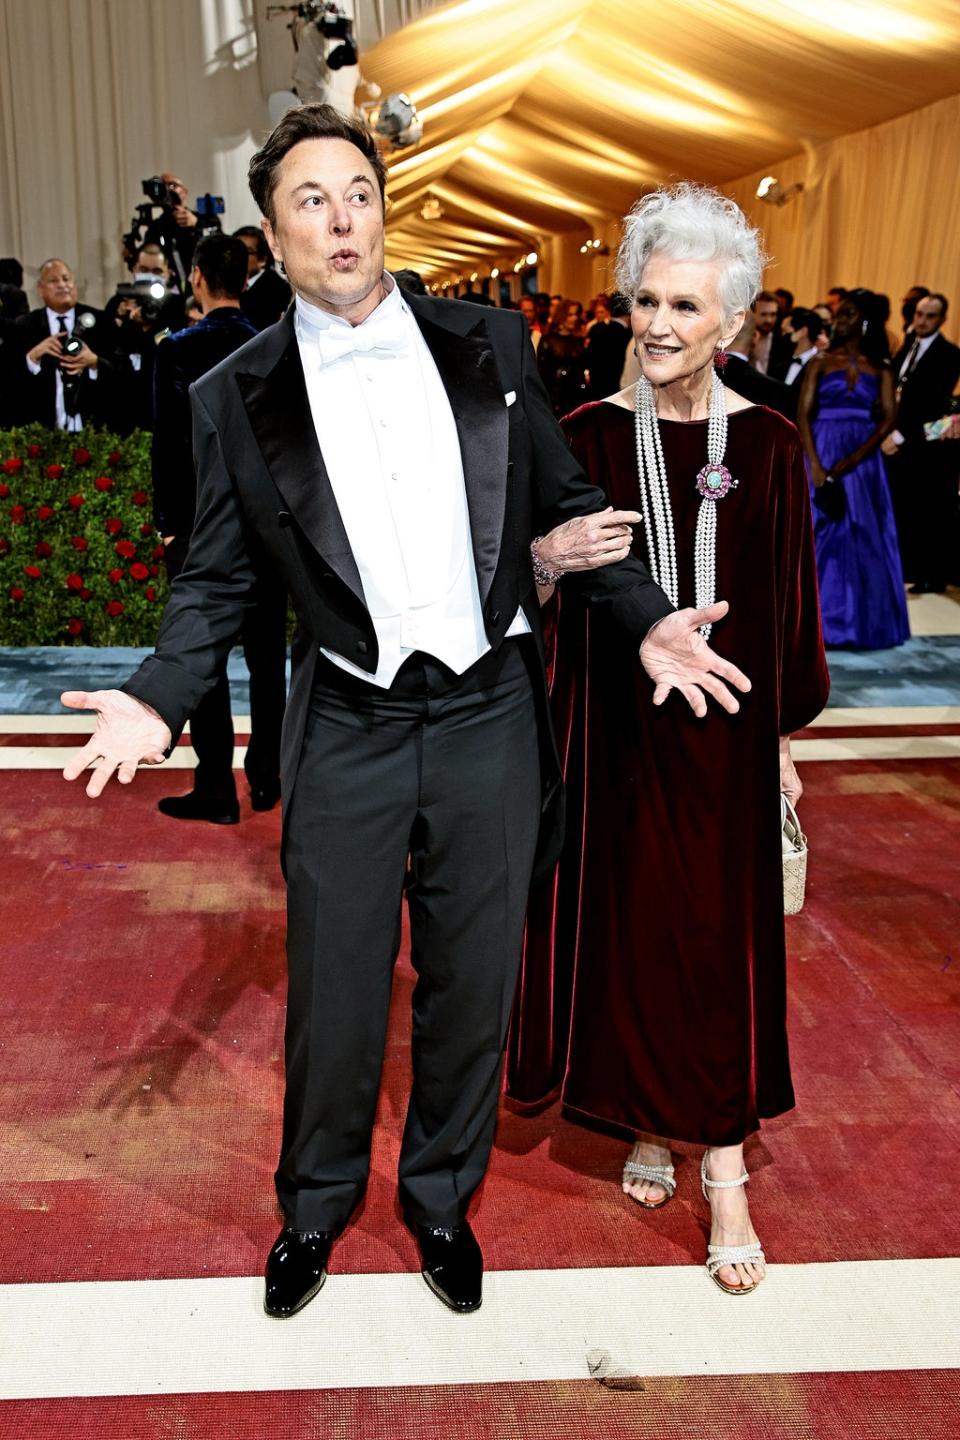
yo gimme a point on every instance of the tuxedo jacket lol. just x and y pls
(265, 501)
(36, 395)
(264, 303)
(927, 390)
(740, 377)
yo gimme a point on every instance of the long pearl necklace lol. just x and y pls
(714, 481)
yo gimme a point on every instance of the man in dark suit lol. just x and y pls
(67, 374)
(267, 294)
(740, 376)
(217, 280)
(394, 458)
(802, 328)
(922, 473)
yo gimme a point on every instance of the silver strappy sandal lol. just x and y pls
(657, 1174)
(720, 1255)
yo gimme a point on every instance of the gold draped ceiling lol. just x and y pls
(544, 119)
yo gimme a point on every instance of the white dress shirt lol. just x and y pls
(797, 364)
(389, 442)
(63, 421)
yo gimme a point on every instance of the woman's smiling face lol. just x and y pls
(677, 318)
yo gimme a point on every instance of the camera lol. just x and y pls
(149, 295)
(158, 192)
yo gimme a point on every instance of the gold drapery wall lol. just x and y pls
(880, 208)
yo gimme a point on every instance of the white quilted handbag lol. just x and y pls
(794, 844)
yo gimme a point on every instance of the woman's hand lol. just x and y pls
(817, 474)
(589, 541)
(790, 783)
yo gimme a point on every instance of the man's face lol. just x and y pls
(173, 182)
(529, 310)
(57, 287)
(798, 337)
(254, 263)
(328, 227)
(834, 301)
(765, 313)
(153, 262)
(927, 318)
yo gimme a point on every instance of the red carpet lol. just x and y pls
(734, 1407)
(143, 1006)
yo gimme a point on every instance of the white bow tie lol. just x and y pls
(337, 341)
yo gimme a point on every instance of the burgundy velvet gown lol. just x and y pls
(653, 987)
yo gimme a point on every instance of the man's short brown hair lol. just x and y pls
(308, 122)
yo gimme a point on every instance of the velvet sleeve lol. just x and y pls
(804, 681)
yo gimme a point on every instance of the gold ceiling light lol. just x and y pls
(432, 209)
(771, 192)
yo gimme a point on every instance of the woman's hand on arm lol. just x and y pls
(589, 541)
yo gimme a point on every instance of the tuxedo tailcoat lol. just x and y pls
(441, 785)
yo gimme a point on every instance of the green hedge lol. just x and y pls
(80, 560)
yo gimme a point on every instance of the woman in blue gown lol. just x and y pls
(847, 406)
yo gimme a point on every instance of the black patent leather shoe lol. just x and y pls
(200, 807)
(263, 797)
(452, 1264)
(296, 1270)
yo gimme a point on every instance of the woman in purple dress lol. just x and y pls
(847, 407)
(653, 989)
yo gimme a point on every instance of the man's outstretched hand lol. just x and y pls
(127, 734)
(676, 657)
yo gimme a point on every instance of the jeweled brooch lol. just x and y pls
(715, 481)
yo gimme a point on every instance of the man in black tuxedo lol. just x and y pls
(217, 280)
(62, 390)
(802, 328)
(922, 473)
(740, 376)
(394, 458)
(267, 294)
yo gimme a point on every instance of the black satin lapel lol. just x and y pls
(279, 414)
(469, 374)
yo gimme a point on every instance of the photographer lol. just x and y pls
(143, 311)
(177, 228)
(68, 374)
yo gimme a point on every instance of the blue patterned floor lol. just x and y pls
(925, 671)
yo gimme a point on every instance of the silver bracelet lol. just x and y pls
(541, 574)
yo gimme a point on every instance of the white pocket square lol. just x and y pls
(510, 396)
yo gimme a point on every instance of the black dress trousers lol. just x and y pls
(440, 774)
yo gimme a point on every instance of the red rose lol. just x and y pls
(154, 569)
(113, 527)
(150, 593)
(146, 529)
(139, 497)
(159, 551)
(17, 514)
(45, 511)
(74, 627)
(43, 551)
(115, 576)
(114, 607)
(81, 456)
(85, 594)
(78, 542)
(13, 466)
(4, 547)
(33, 571)
(75, 502)
(125, 549)
(139, 571)
(103, 482)
(54, 472)
(114, 456)
(34, 451)
(16, 593)
(4, 491)
(74, 581)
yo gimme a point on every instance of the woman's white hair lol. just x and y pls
(693, 222)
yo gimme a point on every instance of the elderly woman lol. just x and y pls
(653, 994)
